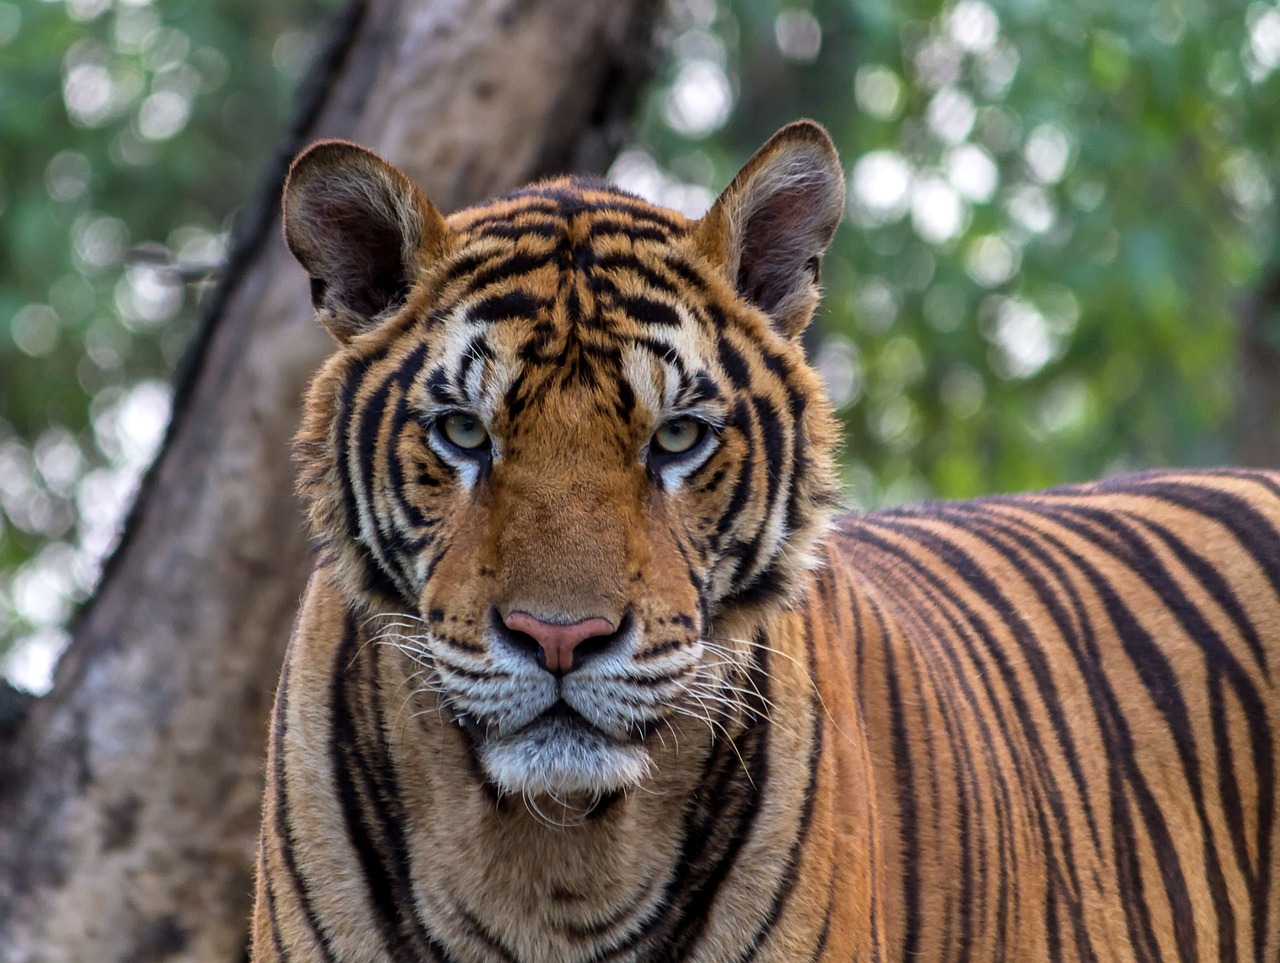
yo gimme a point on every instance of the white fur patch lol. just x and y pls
(556, 758)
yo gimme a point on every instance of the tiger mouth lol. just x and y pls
(557, 753)
(558, 714)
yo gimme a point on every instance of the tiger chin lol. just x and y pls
(590, 669)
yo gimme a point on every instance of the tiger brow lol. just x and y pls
(440, 389)
(700, 390)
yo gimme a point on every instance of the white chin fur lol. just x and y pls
(556, 758)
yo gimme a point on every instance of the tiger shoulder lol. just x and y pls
(590, 668)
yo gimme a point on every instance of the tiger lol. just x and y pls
(591, 667)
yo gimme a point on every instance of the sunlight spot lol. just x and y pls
(973, 26)
(146, 297)
(1244, 177)
(937, 212)
(878, 91)
(88, 94)
(840, 366)
(1263, 49)
(950, 115)
(937, 63)
(877, 305)
(962, 391)
(879, 187)
(84, 10)
(636, 171)
(163, 114)
(31, 662)
(699, 100)
(1030, 208)
(34, 329)
(972, 172)
(1023, 338)
(130, 431)
(799, 35)
(991, 260)
(1048, 153)
(97, 242)
(67, 176)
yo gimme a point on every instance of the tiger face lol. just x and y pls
(570, 446)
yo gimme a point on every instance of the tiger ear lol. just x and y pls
(770, 227)
(361, 229)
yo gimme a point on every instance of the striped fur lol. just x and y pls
(1037, 727)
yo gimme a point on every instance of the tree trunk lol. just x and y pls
(129, 796)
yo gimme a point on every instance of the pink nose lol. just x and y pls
(558, 641)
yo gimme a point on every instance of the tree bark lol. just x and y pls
(129, 796)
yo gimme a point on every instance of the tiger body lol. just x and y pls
(588, 671)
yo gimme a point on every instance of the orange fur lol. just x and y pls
(1023, 728)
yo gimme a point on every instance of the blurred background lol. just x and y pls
(1059, 258)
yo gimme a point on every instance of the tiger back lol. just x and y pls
(589, 669)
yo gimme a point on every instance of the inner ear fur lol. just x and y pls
(361, 229)
(770, 227)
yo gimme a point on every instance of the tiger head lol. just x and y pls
(569, 444)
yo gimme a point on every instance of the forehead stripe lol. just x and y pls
(647, 311)
(507, 215)
(504, 269)
(632, 229)
(438, 387)
(734, 364)
(604, 205)
(515, 232)
(687, 273)
(702, 389)
(629, 262)
(500, 307)
(477, 350)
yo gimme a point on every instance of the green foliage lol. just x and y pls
(1055, 208)
(129, 134)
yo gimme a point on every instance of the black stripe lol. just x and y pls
(517, 232)
(714, 832)
(267, 893)
(1125, 776)
(904, 779)
(742, 488)
(476, 351)
(502, 307)
(617, 261)
(633, 228)
(284, 824)
(500, 271)
(734, 365)
(481, 933)
(1250, 527)
(648, 311)
(357, 792)
(388, 570)
(790, 874)
(693, 279)
(1114, 536)
(375, 817)
(968, 569)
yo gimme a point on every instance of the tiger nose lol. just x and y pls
(558, 642)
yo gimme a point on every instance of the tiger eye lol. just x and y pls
(678, 435)
(465, 431)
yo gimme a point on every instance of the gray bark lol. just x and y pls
(130, 795)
